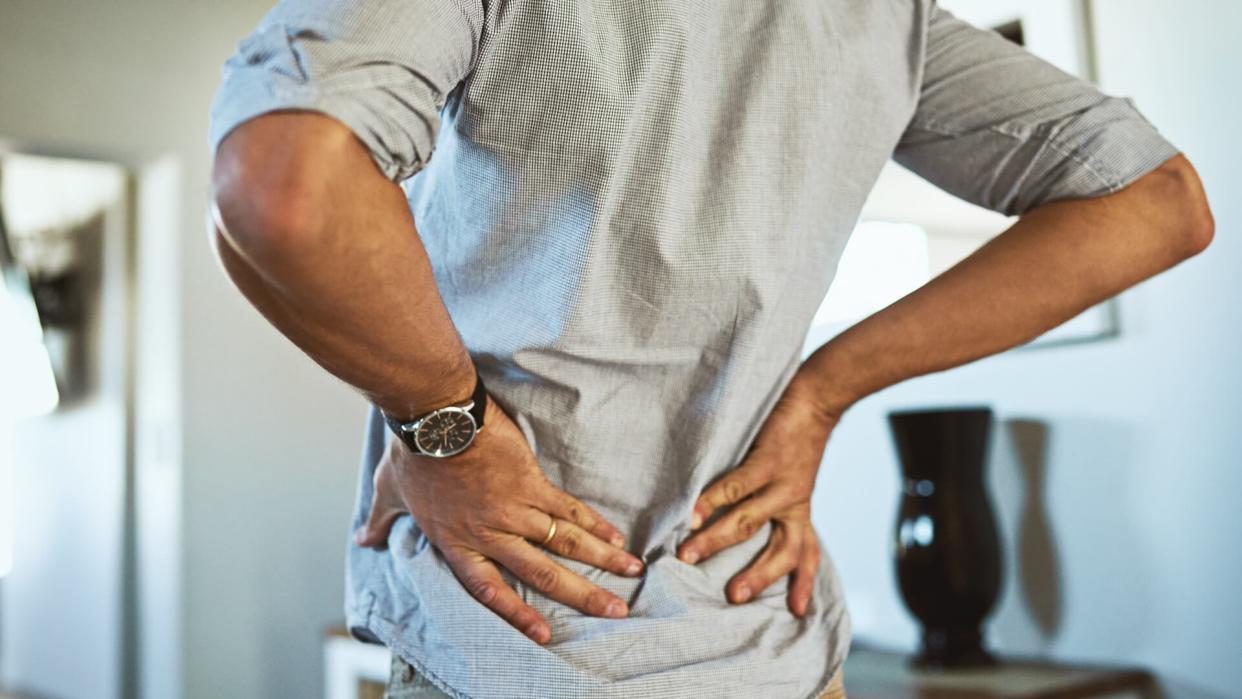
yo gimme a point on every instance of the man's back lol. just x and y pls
(633, 211)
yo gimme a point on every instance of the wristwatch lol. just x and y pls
(445, 431)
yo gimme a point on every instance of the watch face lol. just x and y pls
(446, 432)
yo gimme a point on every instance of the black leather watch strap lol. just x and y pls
(395, 425)
(480, 400)
(477, 410)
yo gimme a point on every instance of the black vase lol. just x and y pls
(947, 548)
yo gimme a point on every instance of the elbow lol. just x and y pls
(262, 225)
(1191, 222)
(271, 195)
(1202, 226)
(263, 218)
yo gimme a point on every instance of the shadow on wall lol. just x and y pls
(1030, 613)
(1084, 465)
(1039, 573)
(1081, 464)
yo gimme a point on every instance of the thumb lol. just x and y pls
(731, 488)
(374, 533)
(386, 507)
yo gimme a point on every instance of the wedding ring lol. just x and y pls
(551, 532)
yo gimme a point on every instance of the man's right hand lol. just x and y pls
(492, 505)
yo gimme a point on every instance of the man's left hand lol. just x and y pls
(773, 484)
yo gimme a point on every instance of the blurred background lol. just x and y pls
(176, 478)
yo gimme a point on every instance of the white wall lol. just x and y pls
(1140, 472)
(270, 441)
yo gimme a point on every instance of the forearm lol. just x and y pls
(325, 247)
(1055, 262)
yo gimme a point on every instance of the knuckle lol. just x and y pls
(491, 539)
(570, 543)
(571, 509)
(706, 543)
(479, 530)
(595, 601)
(545, 578)
(746, 524)
(731, 489)
(483, 590)
(523, 621)
(507, 519)
(712, 545)
(720, 539)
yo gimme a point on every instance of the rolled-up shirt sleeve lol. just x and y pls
(1006, 130)
(384, 68)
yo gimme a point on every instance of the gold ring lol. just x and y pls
(551, 532)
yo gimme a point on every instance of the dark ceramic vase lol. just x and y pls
(947, 548)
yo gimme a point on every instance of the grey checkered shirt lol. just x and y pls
(634, 209)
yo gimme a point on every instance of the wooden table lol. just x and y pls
(876, 674)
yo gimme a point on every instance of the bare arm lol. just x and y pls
(1105, 202)
(324, 245)
(1055, 262)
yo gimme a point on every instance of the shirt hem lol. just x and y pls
(385, 631)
